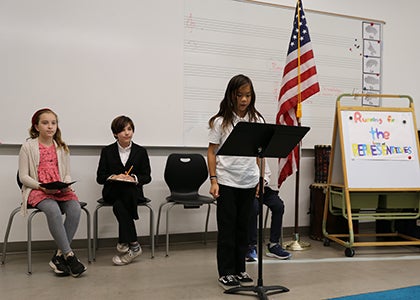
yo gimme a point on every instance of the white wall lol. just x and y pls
(84, 163)
(400, 66)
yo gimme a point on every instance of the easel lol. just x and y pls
(260, 141)
(354, 194)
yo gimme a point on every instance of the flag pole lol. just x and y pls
(296, 244)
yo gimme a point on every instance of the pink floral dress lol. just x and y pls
(48, 172)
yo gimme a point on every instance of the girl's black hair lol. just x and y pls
(227, 106)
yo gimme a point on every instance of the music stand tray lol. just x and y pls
(261, 140)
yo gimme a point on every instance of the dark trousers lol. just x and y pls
(276, 205)
(126, 227)
(233, 212)
(124, 201)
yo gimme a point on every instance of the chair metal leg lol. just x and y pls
(29, 236)
(158, 222)
(95, 231)
(207, 224)
(6, 236)
(167, 223)
(88, 234)
(29, 229)
(151, 228)
(167, 227)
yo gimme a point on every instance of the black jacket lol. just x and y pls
(110, 163)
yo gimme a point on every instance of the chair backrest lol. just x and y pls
(19, 183)
(185, 173)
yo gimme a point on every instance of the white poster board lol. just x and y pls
(380, 149)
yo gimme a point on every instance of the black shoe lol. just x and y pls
(244, 279)
(58, 265)
(277, 251)
(76, 268)
(228, 281)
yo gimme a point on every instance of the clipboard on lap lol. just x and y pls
(56, 185)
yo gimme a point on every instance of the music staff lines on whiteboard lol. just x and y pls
(201, 94)
(262, 95)
(319, 104)
(339, 62)
(197, 70)
(231, 50)
(319, 122)
(236, 28)
(196, 117)
(342, 82)
(329, 39)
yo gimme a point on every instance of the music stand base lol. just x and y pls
(296, 244)
(261, 291)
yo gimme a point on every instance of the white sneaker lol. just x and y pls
(126, 258)
(123, 247)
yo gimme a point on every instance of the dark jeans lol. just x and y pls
(276, 205)
(233, 212)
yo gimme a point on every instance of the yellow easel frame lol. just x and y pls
(348, 240)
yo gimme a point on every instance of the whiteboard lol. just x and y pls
(380, 149)
(165, 64)
(224, 38)
(90, 61)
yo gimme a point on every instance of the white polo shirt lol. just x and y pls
(234, 171)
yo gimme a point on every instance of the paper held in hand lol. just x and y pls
(122, 180)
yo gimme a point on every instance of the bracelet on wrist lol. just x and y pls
(213, 177)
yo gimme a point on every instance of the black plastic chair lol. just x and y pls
(29, 230)
(102, 203)
(184, 175)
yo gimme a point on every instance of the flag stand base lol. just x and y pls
(296, 244)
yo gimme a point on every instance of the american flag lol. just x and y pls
(299, 82)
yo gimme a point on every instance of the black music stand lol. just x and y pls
(261, 140)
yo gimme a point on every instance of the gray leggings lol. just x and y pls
(62, 233)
